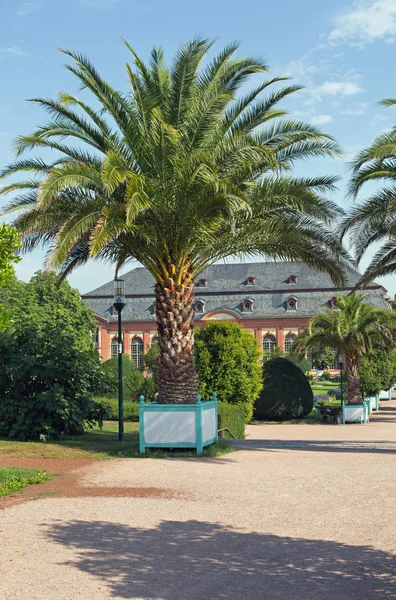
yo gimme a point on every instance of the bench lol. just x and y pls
(329, 413)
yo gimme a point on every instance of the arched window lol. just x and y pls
(269, 343)
(292, 279)
(114, 347)
(137, 352)
(199, 306)
(154, 340)
(250, 280)
(291, 303)
(289, 339)
(247, 305)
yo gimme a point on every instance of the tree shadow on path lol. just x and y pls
(345, 446)
(197, 560)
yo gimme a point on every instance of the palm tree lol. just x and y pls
(354, 328)
(177, 173)
(375, 219)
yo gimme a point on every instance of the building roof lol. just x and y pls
(226, 287)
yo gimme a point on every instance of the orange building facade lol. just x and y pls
(274, 301)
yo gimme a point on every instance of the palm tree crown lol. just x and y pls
(354, 329)
(375, 219)
(177, 173)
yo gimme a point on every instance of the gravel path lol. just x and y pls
(301, 512)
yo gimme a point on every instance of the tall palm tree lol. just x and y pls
(354, 328)
(177, 173)
(375, 219)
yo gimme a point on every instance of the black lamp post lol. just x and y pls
(341, 365)
(119, 303)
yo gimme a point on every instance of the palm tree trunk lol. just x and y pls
(353, 379)
(177, 377)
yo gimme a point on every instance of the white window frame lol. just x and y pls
(290, 341)
(137, 357)
(270, 342)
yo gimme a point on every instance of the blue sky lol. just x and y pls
(342, 52)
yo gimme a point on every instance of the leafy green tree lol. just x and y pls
(286, 392)
(374, 220)
(152, 361)
(182, 170)
(377, 372)
(300, 362)
(49, 370)
(275, 352)
(9, 244)
(135, 384)
(355, 329)
(323, 358)
(228, 362)
(132, 378)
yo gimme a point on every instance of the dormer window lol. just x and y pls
(291, 303)
(247, 305)
(199, 306)
(250, 280)
(333, 303)
(292, 279)
(202, 283)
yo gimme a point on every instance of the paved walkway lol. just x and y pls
(302, 512)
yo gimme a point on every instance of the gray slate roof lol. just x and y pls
(226, 289)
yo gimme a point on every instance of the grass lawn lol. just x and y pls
(98, 444)
(13, 480)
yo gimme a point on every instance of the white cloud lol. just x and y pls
(312, 117)
(366, 22)
(378, 119)
(358, 110)
(320, 119)
(28, 7)
(335, 88)
(11, 51)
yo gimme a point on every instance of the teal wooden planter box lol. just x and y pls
(354, 413)
(371, 402)
(178, 425)
(386, 394)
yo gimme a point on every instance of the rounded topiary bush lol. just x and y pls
(286, 392)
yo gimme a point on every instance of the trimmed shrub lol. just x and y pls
(151, 360)
(377, 372)
(132, 378)
(131, 409)
(135, 384)
(227, 361)
(286, 392)
(233, 417)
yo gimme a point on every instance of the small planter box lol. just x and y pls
(371, 402)
(386, 394)
(178, 425)
(354, 413)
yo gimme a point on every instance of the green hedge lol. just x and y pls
(131, 409)
(230, 415)
(233, 417)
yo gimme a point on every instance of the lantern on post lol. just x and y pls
(119, 303)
